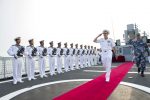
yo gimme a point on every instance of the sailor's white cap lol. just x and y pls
(30, 40)
(41, 41)
(17, 38)
(51, 42)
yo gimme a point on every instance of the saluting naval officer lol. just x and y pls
(52, 53)
(31, 53)
(17, 51)
(59, 60)
(107, 45)
(42, 52)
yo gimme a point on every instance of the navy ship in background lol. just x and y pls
(126, 50)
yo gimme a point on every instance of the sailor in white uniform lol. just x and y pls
(98, 55)
(88, 56)
(85, 56)
(17, 51)
(31, 53)
(76, 56)
(59, 60)
(107, 45)
(81, 56)
(66, 59)
(52, 53)
(94, 56)
(91, 56)
(71, 51)
(42, 52)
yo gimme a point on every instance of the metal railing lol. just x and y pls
(6, 69)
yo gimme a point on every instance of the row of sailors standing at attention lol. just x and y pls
(74, 58)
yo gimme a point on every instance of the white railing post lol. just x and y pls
(4, 66)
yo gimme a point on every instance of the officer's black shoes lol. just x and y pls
(142, 74)
(139, 70)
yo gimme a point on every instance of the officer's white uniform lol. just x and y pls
(30, 62)
(76, 58)
(59, 61)
(42, 61)
(70, 57)
(106, 47)
(81, 58)
(17, 63)
(51, 60)
(66, 60)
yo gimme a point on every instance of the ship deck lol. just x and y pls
(132, 87)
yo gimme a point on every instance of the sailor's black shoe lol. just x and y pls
(142, 74)
(139, 70)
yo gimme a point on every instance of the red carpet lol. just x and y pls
(98, 89)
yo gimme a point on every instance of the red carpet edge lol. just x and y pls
(98, 89)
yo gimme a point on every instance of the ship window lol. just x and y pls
(120, 51)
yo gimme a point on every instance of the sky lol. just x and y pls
(72, 21)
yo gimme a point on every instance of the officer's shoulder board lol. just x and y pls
(14, 45)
